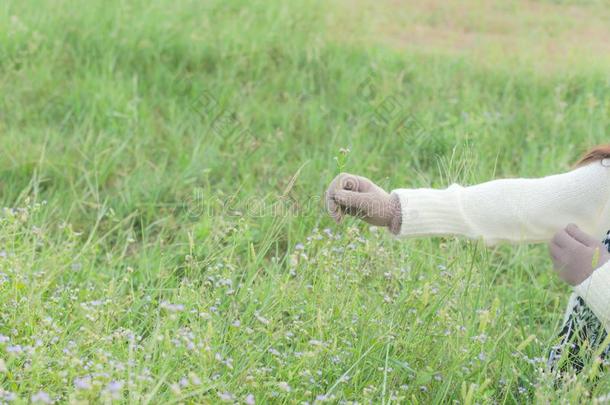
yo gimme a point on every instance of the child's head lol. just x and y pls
(597, 153)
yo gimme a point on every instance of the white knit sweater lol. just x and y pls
(520, 210)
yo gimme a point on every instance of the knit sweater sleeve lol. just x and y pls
(595, 292)
(511, 210)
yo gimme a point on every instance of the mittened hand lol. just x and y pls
(576, 254)
(360, 197)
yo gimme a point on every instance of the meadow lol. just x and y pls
(162, 165)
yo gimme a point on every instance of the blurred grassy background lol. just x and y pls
(160, 130)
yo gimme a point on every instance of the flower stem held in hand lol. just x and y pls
(342, 159)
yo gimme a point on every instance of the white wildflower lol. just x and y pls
(283, 385)
(83, 383)
(226, 396)
(41, 398)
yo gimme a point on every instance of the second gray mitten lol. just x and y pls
(576, 254)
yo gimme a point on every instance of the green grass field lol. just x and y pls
(163, 163)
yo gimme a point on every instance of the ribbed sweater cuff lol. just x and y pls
(595, 291)
(427, 212)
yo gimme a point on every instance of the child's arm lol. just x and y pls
(513, 210)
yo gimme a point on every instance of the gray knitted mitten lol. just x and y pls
(360, 197)
(576, 254)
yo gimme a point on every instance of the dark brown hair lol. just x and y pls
(597, 153)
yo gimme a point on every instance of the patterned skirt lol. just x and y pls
(581, 336)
